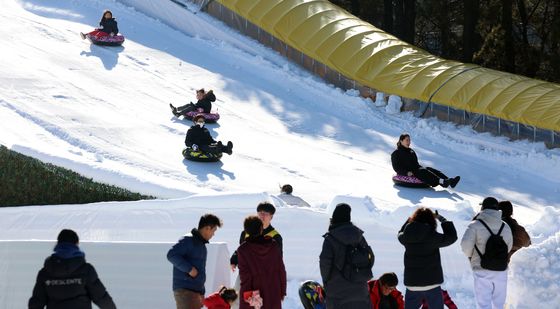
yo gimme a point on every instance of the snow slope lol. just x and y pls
(103, 112)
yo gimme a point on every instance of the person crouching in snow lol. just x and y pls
(221, 299)
(405, 163)
(198, 137)
(384, 294)
(107, 26)
(204, 102)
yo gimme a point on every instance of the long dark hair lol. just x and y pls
(424, 215)
(401, 138)
(103, 16)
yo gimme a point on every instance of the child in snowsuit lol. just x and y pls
(107, 26)
(221, 299)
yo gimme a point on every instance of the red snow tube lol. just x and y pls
(208, 117)
(105, 40)
(409, 181)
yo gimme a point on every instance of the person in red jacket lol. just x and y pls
(261, 267)
(384, 294)
(221, 299)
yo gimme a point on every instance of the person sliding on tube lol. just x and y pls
(405, 163)
(107, 26)
(198, 137)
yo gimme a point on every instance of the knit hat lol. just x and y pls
(341, 213)
(506, 208)
(68, 236)
(489, 203)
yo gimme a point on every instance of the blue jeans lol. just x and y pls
(413, 299)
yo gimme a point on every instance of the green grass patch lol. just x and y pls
(28, 181)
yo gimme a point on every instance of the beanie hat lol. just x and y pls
(490, 203)
(341, 213)
(506, 208)
(68, 236)
(287, 189)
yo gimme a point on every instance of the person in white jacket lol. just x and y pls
(490, 286)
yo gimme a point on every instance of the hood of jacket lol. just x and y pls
(65, 260)
(492, 217)
(346, 233)
(416, 232)
(259, 246)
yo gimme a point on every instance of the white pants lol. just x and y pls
(490, 288)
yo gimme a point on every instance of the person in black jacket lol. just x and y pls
(204, 102)
(198, 137)
(405, 163)
(423, 274)
(343, 292)
(67, 281)
(107, 26)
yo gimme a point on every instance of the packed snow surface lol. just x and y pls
(104, 113)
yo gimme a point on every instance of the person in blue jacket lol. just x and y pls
(188, 257)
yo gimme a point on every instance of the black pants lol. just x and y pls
(186, 108)
(429, 175)
(213, 148)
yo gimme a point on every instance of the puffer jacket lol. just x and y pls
(477, 234)
(341, 292)
(67, 281)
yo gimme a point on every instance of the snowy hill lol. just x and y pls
(104, 113)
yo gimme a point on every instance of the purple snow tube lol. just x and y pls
(409, 181)
(208, 117)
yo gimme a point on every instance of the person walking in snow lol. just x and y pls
(346, 285)
(204, 102)
(107, 26)
(520, 236)
(261, 267)
(287, 197)
(67, 280)
(198, 137)
(490, 285)
(221, 299)
(405, 163)
(188, 257)
(423, 274)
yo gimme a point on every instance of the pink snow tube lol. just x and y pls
(208, 117)
(409, 181)
(101, 38)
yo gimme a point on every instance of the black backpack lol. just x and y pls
(495, 256)
(358, 261)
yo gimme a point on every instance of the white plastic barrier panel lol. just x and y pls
(137, 275)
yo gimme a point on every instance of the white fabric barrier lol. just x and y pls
(137, 275)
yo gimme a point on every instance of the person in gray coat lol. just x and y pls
(342, 292)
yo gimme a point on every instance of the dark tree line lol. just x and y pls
(518, 36)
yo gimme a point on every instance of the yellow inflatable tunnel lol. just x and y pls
(378, 60)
